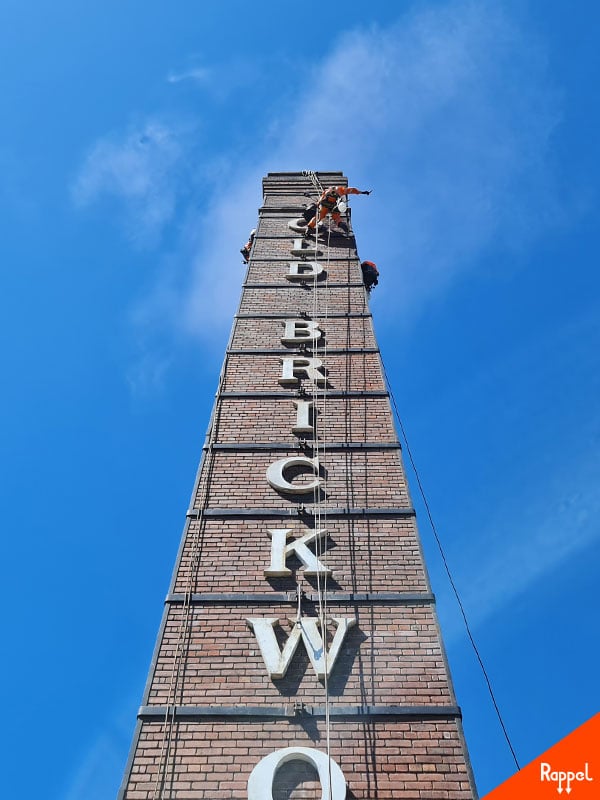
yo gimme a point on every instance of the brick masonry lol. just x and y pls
(387, 712)
(365, 555)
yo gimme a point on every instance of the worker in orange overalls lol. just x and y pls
(245, 251)
(370, 274)
(328, 204)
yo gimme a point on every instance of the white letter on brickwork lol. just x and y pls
(277, 661)
(300, 248)
(295, 367)
(276, 474)
(281, 551)
(303, 426)
(260, 782)
(301, 270)
(298, 331)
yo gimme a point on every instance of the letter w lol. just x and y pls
(277, 661)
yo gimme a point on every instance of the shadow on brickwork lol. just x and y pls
(367, 677)
(299, 667)
(300, 472)
(310, 726)
(290, 583)
(346, 660)
(356, 425)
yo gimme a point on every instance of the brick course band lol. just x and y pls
(307, 283)
(281, 351)
(271, 315)
(301, 510)
(258, 713)
(310, 445)
(400, 598)
(296, 394)
(335, 259)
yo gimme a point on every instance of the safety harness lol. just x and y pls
(330, 200)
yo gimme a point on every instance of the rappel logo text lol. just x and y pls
(563, 779)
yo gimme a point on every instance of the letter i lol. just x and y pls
(303, 425)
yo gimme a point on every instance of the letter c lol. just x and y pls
(260, 782)
(276, 474)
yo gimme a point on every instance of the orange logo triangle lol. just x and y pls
(570, 770)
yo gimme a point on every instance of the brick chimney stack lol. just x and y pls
(299, 654)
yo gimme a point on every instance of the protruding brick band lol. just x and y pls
(389, 598)
(332, 513)
(258, 713)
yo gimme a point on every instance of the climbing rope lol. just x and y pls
(447, 569)
(319, 418)
(312, 176)
(320, 421)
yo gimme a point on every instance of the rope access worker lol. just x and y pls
(310, 209)
(328, 204)
(370, 274)
(245, 251)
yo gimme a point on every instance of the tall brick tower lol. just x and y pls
(299, 654)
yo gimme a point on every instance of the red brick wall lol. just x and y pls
(391, 657)
(394, 728)
(211, 760)
(245, 420)
(366, 555)
(338, 333)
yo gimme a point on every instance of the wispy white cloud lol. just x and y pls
(447, 115)
(150, 323)
(99, 771)
(557, 521)
(200, 75)
(147, 372)
(551, 479)
(94, 776)
(139, 169)
(220, 81)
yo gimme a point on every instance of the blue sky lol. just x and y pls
(133, 143)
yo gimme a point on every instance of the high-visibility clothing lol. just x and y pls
(331, 195)
(328, 201)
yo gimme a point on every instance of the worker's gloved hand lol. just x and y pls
(368, 192)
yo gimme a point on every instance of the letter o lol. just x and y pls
(260, 782)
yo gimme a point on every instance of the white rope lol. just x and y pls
(308, 173)
(321, 507)
(320, 449)
(324, 553)
(319, 422)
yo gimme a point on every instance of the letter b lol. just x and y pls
(299, 331)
